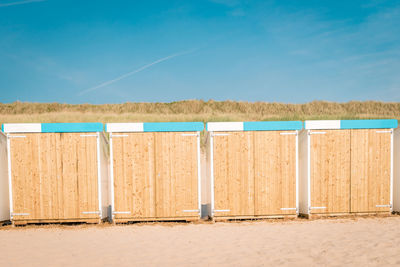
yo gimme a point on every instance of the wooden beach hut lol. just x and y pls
(56, 172)
(155, 171)
(252, 167)
(346, 167)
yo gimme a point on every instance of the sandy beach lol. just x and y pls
(327, 242)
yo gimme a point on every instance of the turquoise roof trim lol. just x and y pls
(368, 124)
(173, 126)
(272, 125)
(72, 127)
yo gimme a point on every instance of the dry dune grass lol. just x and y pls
(195, 110)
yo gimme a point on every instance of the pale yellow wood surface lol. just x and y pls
(134, 180)
(370, 170)
(330, 171)
(275, 172)
(155, 175)
(24, 167)
(176, 174)
(234, 174)
(79, 175)
(54, 176)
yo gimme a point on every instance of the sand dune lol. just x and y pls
(331, 242)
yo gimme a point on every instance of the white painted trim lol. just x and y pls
(289, 133)
(212, 174)
(391, 168)
(20, 214)
(317, 208)
(99, 175)
(91, 212)
(121, 212)
(220, 134)
(388, 131)
(199, 172)
(384, 206)
(322, 124)
(297, 172)
(22, 127)
(224, 126)
(190, 210)
(309, 171)
(112, 178)
(120, 135)
(89, 135)
(317, 132)
(196, 134)
(222, 210)
(10, 193)
(124, 127)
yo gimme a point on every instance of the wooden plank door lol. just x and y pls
(233, 155)
(35, 171)
(176, 174)
(78, 187)
(330, 171)
(370, 170)
(275, 172)
(134, 179)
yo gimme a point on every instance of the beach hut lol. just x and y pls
(155, 171)
(56, 172)
(346, 167)
(253, 169)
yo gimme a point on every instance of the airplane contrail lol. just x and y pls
(134, 72)
(20, 3)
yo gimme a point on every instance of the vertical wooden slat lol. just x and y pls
(87, 174)
(33, 202)
(48, 177)
(59, 176)
(118, 173)
(69, 177)
(163, 179)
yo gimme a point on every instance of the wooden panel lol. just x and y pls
(234, 174)
(275, 172)
(34, 173)
(176, 174)
(25, 173)
(54, 176)
(330, 171)
(49, 173)
(134, 188)
(370, 170)
(78, 184)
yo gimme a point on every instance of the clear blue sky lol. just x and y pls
(117, 51)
